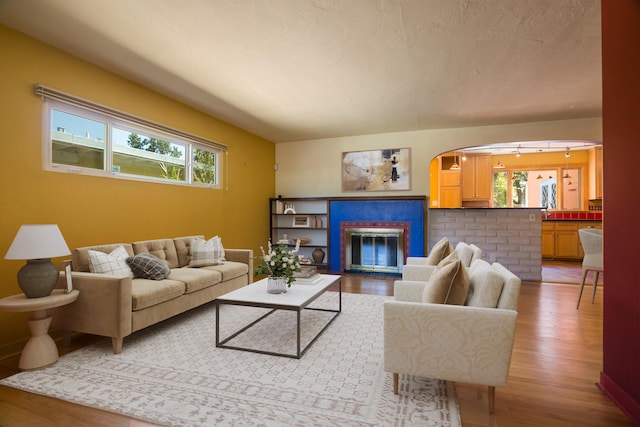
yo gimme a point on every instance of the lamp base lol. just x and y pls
(38, 278)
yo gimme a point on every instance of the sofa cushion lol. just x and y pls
(183, 249)
(195, 278)
(448, 284)
(148, 266)
(230, 269)
(485, 286)
(165, 249)
(80, 256)
(205, 253)
(146, 293)
(439, 251)
(113, 263)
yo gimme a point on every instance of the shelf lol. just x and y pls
(316, 209)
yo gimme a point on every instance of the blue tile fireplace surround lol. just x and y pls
(403, 213)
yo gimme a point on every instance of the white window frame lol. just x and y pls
(54, 100)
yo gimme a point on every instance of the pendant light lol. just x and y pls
(499, 165)
(455, 166)
(539, 174)
(566, 174)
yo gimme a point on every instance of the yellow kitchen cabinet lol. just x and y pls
(548, 239)
(567, 241)
(595, 173)
(560, 239)
(476, 178)
(450, 189)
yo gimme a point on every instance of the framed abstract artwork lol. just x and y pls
(376, 170)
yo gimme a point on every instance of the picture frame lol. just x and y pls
(67, 273)
(302, 221)
(376, 170)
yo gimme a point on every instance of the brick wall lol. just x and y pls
(512, 236)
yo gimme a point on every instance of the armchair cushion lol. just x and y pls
(449, 284)
(439, 251)
(465, 253)
(485, 285)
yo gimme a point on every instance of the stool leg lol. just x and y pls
(595, 285)
(584, 276)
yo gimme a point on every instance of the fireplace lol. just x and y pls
(374, 247)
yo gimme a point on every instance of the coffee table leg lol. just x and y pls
(40, 350)
(299, 355)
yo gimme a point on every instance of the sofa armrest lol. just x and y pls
(103, 306)
(244, 256)
(420, 273)
(449, 342)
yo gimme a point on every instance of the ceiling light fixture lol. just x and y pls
(499, 165)
(518, 151)
(464, 157)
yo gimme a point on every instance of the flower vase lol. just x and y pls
(276, 285)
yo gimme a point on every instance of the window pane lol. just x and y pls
(500, 189)
(519, 185)
(571, 189)
(145, 155)
(204, 166)
(77, 141)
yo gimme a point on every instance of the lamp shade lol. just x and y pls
(37, 241)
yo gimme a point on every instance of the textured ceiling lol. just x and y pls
(293, 70)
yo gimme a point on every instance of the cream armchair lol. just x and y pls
(420, 268)
(451, 342)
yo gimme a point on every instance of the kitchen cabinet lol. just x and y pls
(476, 178)
(560, 239)
(450, 188)
(595, 173)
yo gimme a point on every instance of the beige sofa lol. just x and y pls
(468, 343)
(116, 306)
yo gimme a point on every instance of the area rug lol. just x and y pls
(173, 374)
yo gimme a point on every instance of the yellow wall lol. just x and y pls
(94, 210)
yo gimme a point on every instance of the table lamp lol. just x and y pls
(38, 243)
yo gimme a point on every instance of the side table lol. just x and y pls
(40, 350)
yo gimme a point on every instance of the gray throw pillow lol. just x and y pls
(148, 266)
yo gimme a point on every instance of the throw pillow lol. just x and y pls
(465, 252)
(452, 257)
(204, 253)
(485, 287)
(113, 263)
(148, 266)
(448, 284)
(439, 251)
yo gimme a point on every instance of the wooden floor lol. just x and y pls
(557, 359)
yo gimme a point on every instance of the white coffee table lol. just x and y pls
(297, 298)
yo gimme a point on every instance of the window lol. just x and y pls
(100, 141)
(525, 189)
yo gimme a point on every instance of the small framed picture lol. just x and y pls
(303, 221)
(67, 273)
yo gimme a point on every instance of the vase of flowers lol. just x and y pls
(279, 263)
